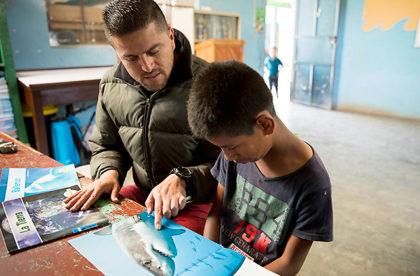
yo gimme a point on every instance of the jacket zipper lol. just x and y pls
(146, 120)
(145, 137)
(146, 142)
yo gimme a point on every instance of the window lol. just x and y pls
(217, 25)
(74, 22)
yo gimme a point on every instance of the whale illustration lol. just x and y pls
(151, 248)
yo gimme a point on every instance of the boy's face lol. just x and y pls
(273, 52)
(148, 55)
(243, 148)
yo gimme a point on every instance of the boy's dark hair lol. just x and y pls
(126, 16)
(226, 98)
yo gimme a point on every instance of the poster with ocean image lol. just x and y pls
(32, 220)
(20, 182)
(133, 246)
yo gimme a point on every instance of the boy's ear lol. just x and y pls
(266, 123)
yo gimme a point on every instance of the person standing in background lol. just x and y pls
(273, 64)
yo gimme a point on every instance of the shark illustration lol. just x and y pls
(151, 248)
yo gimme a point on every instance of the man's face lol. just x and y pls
(148, 55)
(242, 148)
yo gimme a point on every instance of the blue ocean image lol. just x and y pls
(37, 180)
(49, 179)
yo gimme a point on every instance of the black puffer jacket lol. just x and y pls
(151, 133)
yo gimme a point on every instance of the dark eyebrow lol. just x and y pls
(128, 56)
(148, 50)
(153, 47)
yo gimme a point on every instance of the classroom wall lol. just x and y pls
(254, 41)
(29, 37)
(28, 28)
(378, 68)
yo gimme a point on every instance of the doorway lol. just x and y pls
(314, 63)
(280, 32)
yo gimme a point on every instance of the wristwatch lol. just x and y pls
(185, 174)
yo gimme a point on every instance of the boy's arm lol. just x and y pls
(212, 226)
(293, 257)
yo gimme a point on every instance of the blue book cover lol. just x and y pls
(133, 246)
(21, 182)
(32, 220)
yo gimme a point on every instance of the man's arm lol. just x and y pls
(108, 151)
(106, 162)
(169, 197)
(293, 257)
(204, 185)
(212, 227)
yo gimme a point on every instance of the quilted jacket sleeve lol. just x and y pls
(204, 183)
(108, 151)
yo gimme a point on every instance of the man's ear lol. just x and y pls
(172, 37)
(266, 123)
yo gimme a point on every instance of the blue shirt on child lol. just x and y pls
(273, 65)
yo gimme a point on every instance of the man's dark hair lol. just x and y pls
(122, 17)
(226, 98)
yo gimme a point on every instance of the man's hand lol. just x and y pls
(83, 199)
(166, 199)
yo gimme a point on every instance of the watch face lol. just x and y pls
(184, 172)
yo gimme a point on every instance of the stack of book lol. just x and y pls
(7, 122)
(32, 211)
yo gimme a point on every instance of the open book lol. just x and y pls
(35, 219)
(133, 246)
(20, 182)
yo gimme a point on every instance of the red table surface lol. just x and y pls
(57, 257)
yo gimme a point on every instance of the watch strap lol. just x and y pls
(189, 186)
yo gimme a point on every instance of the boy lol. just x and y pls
(274, 194)
(273, 65)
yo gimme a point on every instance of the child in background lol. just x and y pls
(273, 65)
(274, 193)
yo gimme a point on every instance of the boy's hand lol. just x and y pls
(167, 199)
(83, 199)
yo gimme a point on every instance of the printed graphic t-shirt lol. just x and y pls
(260, 213)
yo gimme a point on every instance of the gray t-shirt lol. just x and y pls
(260, 213)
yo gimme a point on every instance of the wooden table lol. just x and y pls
(57, 257)
(53, 87)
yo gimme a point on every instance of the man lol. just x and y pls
(141, 120)
(273, 65)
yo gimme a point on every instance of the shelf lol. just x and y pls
(216, 25)
(8, 67)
